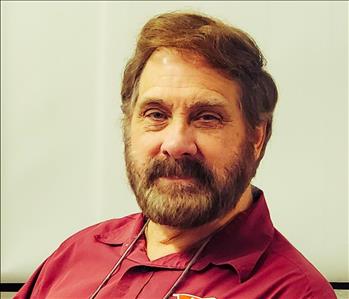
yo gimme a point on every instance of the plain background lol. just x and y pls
(62, 152)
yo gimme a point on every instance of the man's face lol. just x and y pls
(187, 155)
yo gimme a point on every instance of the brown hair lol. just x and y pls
(226, 48)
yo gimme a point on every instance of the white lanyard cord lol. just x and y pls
(117, 264)
(179, 279)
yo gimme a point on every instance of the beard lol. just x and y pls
(207, 196)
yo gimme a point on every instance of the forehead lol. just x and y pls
(173, 75)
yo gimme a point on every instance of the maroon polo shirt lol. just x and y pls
(247, 259)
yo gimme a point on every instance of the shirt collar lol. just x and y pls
(239, 244)
(242, 242)
(122, 231)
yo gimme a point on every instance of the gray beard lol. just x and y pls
(189, 205)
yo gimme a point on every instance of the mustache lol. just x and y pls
(184, 167)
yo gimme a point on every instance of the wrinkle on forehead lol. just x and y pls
(185, 69)
(196, 95)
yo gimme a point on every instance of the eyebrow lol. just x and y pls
(155, 102)
(199, 104)
(209, 104)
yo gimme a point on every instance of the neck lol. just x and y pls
(163, 240)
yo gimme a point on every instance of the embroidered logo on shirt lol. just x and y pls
(188, 296)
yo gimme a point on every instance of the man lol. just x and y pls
(198, 109)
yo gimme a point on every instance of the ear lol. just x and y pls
(259, 138)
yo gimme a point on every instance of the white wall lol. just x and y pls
(62, 165)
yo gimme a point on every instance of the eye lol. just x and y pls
(208, 120)
(209, 117)
(155, 115)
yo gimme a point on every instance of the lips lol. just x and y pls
(177, 179)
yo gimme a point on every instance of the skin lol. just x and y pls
(185, 107)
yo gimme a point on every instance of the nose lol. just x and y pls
(178, 141)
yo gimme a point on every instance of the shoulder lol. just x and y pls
(76, 254)
(295, 272)
(93, 243)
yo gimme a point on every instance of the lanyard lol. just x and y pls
(127, 251)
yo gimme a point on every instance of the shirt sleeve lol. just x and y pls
(27, 289)
(317, 288)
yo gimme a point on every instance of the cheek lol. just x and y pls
(144, 145)
(219, 150)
